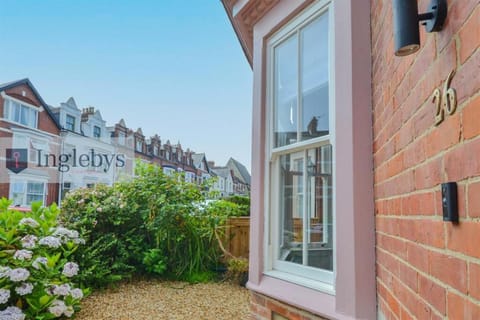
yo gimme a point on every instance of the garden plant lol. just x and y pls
(37, 265)
(152, 225)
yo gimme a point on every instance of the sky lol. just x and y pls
(173, 68)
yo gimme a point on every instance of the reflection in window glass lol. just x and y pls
(314, 78)
(306, 208)
(286, 92)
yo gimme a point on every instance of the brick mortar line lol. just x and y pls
(436, 217)
(431, 278)
(424, 162)
(386, 303)
(445, 251)
(465, 182)
(418, 110)
(401, 303)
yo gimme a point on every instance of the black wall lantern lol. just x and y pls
(406, 19)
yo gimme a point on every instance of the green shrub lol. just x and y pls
(175, 226)
(36, 266)
(242, 202)
(113, 233)
(150, 225)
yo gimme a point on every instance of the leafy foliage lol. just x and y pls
(36, 266)
(150, 225)
(242, 202)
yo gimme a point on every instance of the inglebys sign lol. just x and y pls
(92, 159)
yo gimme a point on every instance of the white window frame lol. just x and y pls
(94, 133)
(315, 278)
(67, 117)
(139, 145)
(8, 111)
(25, 182)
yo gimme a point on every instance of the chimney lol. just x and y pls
(211, 164)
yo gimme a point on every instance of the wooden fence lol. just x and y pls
(237, 236)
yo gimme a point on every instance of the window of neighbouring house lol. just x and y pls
(139, 145)
(121, 138)
(23, 192)
(300, 148)
(97, 132)
(67, 186)
(70, 123)
(20, 113)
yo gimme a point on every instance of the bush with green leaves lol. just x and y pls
(36, 264)
(114, 234)
(243, 203)
(150, 225)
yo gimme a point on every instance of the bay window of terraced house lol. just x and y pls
(300, 143)
(22, 113)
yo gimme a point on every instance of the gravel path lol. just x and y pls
(167, 300)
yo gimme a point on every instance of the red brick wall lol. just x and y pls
(45, 123)
(427, 268)
(262, 308)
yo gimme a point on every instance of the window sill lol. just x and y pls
(280, 286)
(301, 281)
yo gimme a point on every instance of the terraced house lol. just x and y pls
(365, 171)
(29, 130)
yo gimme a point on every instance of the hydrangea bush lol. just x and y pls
(36, 268)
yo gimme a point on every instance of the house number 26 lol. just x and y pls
(446, 103)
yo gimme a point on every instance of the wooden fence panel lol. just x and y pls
(237, 236)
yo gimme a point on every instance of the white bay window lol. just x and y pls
(24, 192)
(20, 113)
(300, 206)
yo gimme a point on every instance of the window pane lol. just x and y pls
(6, 109)
(319, 208)
(286, 92)
(33, 118)
(25, 116)
(314, 76)
(15, 111)
(306, 208)
(291, 208)
(18, 193)
(35, 188)
(70, 123)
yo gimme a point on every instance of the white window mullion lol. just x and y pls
(299, 87)
(305, 211)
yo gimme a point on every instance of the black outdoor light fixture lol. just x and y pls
(406, 19)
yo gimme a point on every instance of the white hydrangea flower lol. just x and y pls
(69, 312)
(57, 308)
(4, 296)
(76, 293)
(4, 271)
(64, 232)
(50, 241)
(61, 290)
(38, 261)
(12, 313)
(29, 222)
(23, 255)
(19, 274)
(70, 269)
(79, 241)
(24, 289)
(29, 241)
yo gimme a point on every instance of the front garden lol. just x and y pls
(152, 227)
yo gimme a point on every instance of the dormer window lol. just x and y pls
(70, 123)
(139, 146)
(20, 113)
(97, 132)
